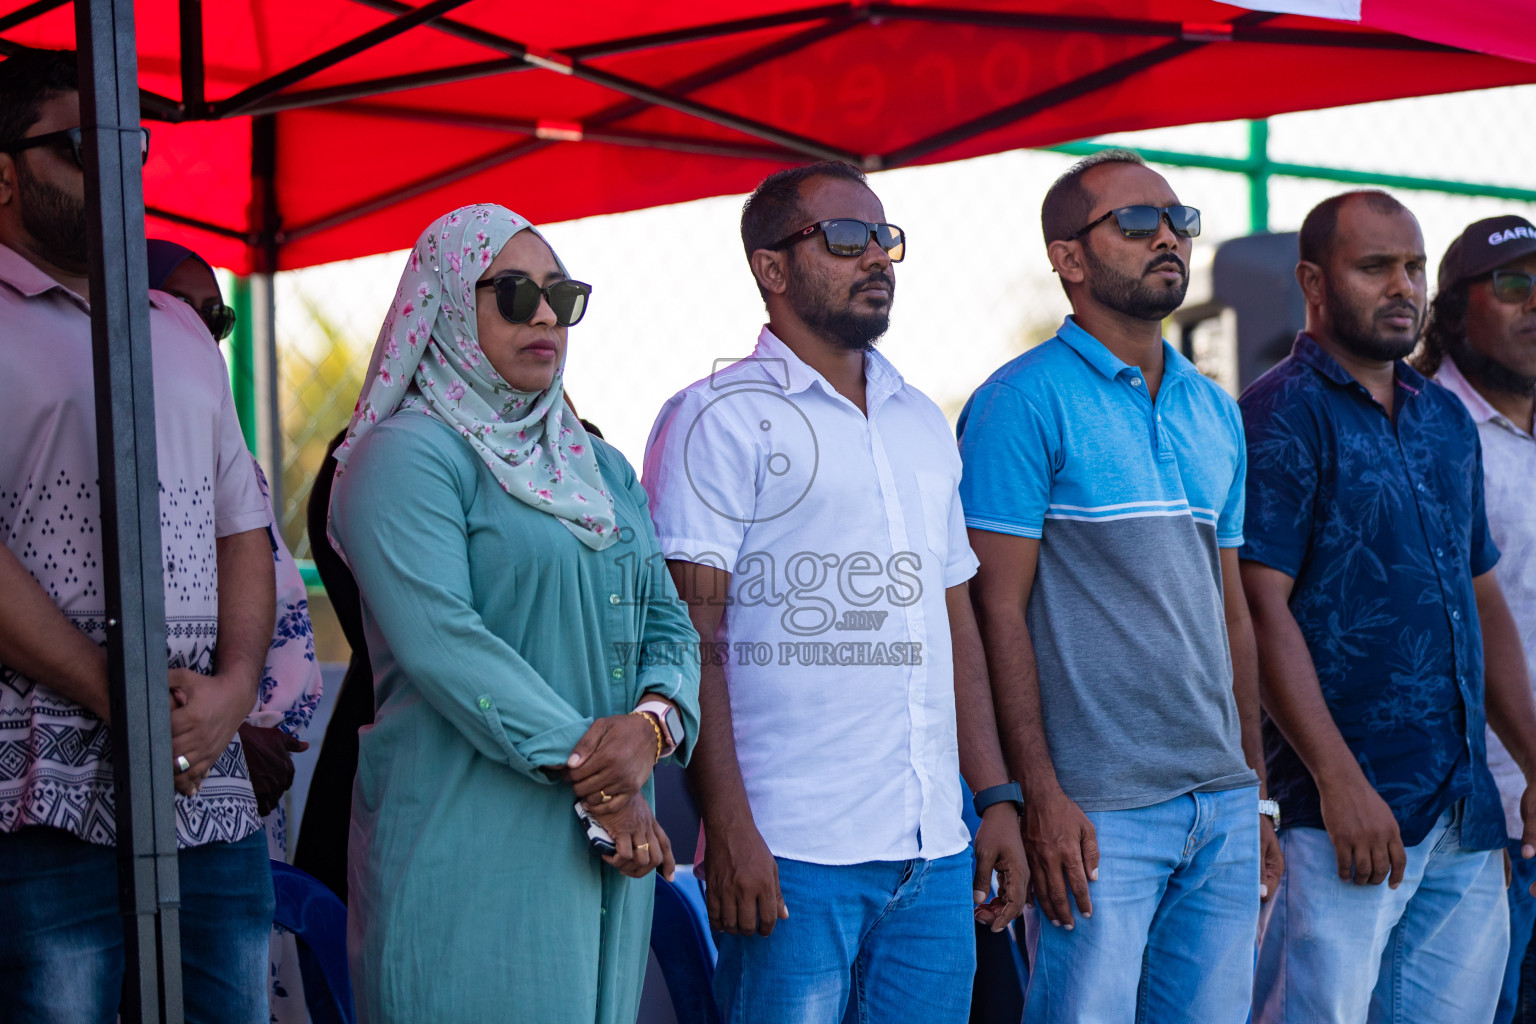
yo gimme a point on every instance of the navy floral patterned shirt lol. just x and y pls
(1381, 524)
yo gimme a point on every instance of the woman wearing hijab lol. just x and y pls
(509, 575)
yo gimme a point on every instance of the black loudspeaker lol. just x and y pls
(1255, 277)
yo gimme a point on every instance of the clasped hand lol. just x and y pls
(206, 712)
(640, 844)
(612, 761)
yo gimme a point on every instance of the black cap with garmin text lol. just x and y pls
(1486, 246)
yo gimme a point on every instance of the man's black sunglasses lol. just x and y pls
(1513, 285)
(845, 237)
(75, 137)
(1144, 221)
(517, 297)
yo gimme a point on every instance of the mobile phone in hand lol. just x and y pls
(597, 836)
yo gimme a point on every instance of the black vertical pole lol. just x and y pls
(130, 513)
(267, 222)
(194, 103)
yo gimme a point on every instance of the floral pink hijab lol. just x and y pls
(428, 359)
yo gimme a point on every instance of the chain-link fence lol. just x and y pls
(672, 292)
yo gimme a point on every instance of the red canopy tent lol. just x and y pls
(296, 132)
(316, 130)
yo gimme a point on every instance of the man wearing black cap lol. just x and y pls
(1480, 344)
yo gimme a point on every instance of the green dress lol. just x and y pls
(496, 638)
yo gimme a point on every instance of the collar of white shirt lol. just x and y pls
(782, 367)
(1450, 377)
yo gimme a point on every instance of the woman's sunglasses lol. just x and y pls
(1144, 221)
(846, 237)
(517, 297)
(75, 137)
(219, 318)
(1513, 285)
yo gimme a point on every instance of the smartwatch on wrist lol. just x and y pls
(1271, 810)
(1009, 792)
(670, 721)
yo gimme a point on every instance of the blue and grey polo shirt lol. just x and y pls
(1131, 500)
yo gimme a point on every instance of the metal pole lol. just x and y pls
(267, 225)
(134, 596)
(1258, 176)
(242, 363)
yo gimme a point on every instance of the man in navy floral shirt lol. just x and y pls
(1369, 571)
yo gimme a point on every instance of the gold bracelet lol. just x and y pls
(652, 720)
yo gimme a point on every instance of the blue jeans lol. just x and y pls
(61, 947)
(897, 937)
(1517, 1001)
(1175, 907)
(1431, 951)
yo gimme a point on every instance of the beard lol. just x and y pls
(54, 219)
(827, 309)
(1129, 295)
(1489, 374)
(1358, 334)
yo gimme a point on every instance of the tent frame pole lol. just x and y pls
(194, 101)
(148, 875)
(248, 97)
(617, 112)
(263, 306)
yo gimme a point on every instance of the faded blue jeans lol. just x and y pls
(1517, 1002)
(896, 938)
(61, 943)
(1175, 908)
(1432, 951)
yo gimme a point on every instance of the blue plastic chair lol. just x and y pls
(319, 919)
(683, 947)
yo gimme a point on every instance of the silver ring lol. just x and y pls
(182, 764)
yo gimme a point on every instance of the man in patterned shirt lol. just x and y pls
(1370, 573)
(61, 950)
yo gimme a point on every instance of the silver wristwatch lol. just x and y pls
(1271, 810)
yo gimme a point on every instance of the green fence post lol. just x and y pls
(1258, 176)
(242, 368)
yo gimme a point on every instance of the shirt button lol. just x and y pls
(1136, 382)
(1419, 486)
(602, 911)
(618, 673)
(1439, 552)
(1456, 613)
(613, 598)
(485, 703)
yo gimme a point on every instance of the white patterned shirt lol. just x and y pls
(55, 756)
(1509, 491)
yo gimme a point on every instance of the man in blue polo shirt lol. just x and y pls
(1103, 488)
(1370, 573)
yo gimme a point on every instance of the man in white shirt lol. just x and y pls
(1480, 344)
(807, 499)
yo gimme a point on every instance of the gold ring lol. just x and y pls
(643, 846)
(605, 796)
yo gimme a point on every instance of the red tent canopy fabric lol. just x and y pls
(305, 131)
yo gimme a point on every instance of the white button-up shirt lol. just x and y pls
(1509, 491)
(841, 534)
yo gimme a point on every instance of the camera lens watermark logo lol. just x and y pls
(755, 390)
